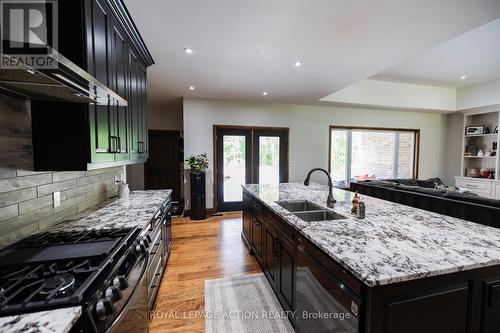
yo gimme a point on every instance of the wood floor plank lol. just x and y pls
(201, 250)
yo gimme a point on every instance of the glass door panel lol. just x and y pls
(233, 166)
(269, 159)
(234, 170)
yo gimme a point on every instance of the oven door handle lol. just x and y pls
(132, 294)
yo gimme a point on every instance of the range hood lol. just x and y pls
(65, 81)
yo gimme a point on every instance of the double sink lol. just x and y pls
(309, 211)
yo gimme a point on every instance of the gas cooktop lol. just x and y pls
(55, 269)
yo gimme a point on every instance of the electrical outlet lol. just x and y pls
(57, 199)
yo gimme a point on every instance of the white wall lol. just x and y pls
(483, 94)
(308, 142)
(454, 127)
(404, 96)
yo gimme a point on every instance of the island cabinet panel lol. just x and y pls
(270, 264)
(490, 321)
(105, 44)
(257, 235)
(435, 310)
(279, 263)
(247, 219)
(287, 274)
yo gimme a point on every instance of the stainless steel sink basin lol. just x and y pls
(309, 211)
(299, 206)
(318, 215)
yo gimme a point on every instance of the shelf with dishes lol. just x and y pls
(480, 144)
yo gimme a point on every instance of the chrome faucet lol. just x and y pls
(330, 202)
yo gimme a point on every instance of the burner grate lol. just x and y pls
(33, 285)
(72, 237)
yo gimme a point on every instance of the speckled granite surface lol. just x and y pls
(394, 242)
(53, 321)
(135, 211)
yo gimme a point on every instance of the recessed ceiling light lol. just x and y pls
(264, 93)
(298, 64)
(463, 77)
(191, 87)
(188, 50)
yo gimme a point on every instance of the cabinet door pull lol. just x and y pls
(493, 297)
(257, 223)
(113, 144)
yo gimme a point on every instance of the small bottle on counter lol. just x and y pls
(355, 202)
(360, 214)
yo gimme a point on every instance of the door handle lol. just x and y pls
(113, 144)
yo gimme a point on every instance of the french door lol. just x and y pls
(246, 155)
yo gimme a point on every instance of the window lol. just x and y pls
(372, 153)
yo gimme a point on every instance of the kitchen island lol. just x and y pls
(402, 269)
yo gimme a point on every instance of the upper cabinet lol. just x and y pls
(99, 37)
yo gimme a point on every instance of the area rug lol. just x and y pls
(243, 303)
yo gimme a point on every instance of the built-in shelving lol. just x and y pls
(489, 135)
(489, 117)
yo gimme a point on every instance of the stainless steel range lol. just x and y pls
(113, 274)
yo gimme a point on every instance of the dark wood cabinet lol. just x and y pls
(279, 263)
(270, 262)
(257, 232)
(490, 322)
(286, 284)
(272, 248)
(247, 219)
(107, 45)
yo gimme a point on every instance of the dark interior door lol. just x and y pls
(246, 155)
(163, 167)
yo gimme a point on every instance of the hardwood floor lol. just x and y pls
(201, 250)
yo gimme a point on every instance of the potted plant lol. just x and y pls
(198, 164)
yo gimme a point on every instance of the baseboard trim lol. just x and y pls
(208, 211)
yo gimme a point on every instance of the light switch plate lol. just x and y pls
(57, 199)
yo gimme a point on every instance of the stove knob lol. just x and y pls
(139, 247)
(145, 241)
(113, 293)
(120, 282)
(103, 309)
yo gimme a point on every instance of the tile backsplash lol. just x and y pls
(26, 197)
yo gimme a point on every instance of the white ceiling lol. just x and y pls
(245, 47)
(475, 54)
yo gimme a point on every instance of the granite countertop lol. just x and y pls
(135, 211)
(394, 242)
(60, 321)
